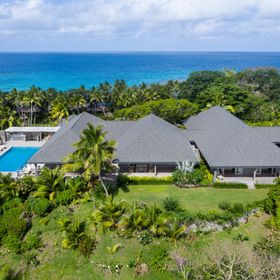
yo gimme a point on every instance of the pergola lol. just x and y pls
(27, 133)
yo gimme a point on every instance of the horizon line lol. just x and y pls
(122, 52)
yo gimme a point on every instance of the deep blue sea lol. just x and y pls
(70, 70)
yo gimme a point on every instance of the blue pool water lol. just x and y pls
(15, 158)
(70, 70)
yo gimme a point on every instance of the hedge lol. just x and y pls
(134, 180)
(229, 186)
(264, 186)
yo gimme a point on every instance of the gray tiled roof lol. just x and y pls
(149, 139)
(270, 132)
(61, 144)
(226, 141)
(152, 139)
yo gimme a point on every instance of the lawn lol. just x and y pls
(58, 263)
(198, 199)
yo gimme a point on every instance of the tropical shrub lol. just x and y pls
(225, 205)
(8, 188)
(26, 185)
(134, 180)
(241, 237)
(7, 273)
(274, 221)
(108, 214)
(39, 206)
(123, 181)
(195, 177)
(11, 223)
(184, 217)
(272, 201)
(269, 245)
(198, 176)
(76, 237)
(121, 184)
(171, 110)
(179, 178)
(115, 248)
(145, 238)
(264, 186)
(49, 182)
(64, 197)
(86, 245)
(171, 204)
(12, 203)
(159, 258)
(13, 242)
(217, 216)
(237, 208)
(31, 241)
(219, 185)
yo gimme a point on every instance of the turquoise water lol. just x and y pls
(70, 70)
(15, 158)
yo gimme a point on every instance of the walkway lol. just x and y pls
(249, 181)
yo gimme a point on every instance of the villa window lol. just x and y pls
(238, 171)
(258, 171)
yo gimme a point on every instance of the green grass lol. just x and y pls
(196, 199)
(57, 263)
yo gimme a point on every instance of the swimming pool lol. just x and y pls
(15, 158)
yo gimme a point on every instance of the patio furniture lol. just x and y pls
(141, 168)
(27, 169)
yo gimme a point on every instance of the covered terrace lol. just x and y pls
(30, 133)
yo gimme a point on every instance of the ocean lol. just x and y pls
(65, 71)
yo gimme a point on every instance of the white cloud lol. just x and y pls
(138, 18)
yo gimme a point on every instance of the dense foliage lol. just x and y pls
(197, 176)
(251, 94)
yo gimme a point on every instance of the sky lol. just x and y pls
(139, 25)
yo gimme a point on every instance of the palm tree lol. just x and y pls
(77, 101)
(109, 213)
(97, 97)
(126, 99)
(59, 108)
(8, 117)
(19, 103)
(93, 155)
(8, 187)
(74, 232)
(49, 182)
(33, 97)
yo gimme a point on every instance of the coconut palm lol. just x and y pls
(49, 182)
(74, 233)
(59, 108)
(107, 215)
(93, 155)
(8, 117)
(176, 231)
(8, 187)
(33, 98)
(77, 101)
(126, 98)
(97, 97)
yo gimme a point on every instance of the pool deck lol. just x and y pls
(11, 144)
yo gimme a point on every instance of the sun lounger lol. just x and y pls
(27, 170)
